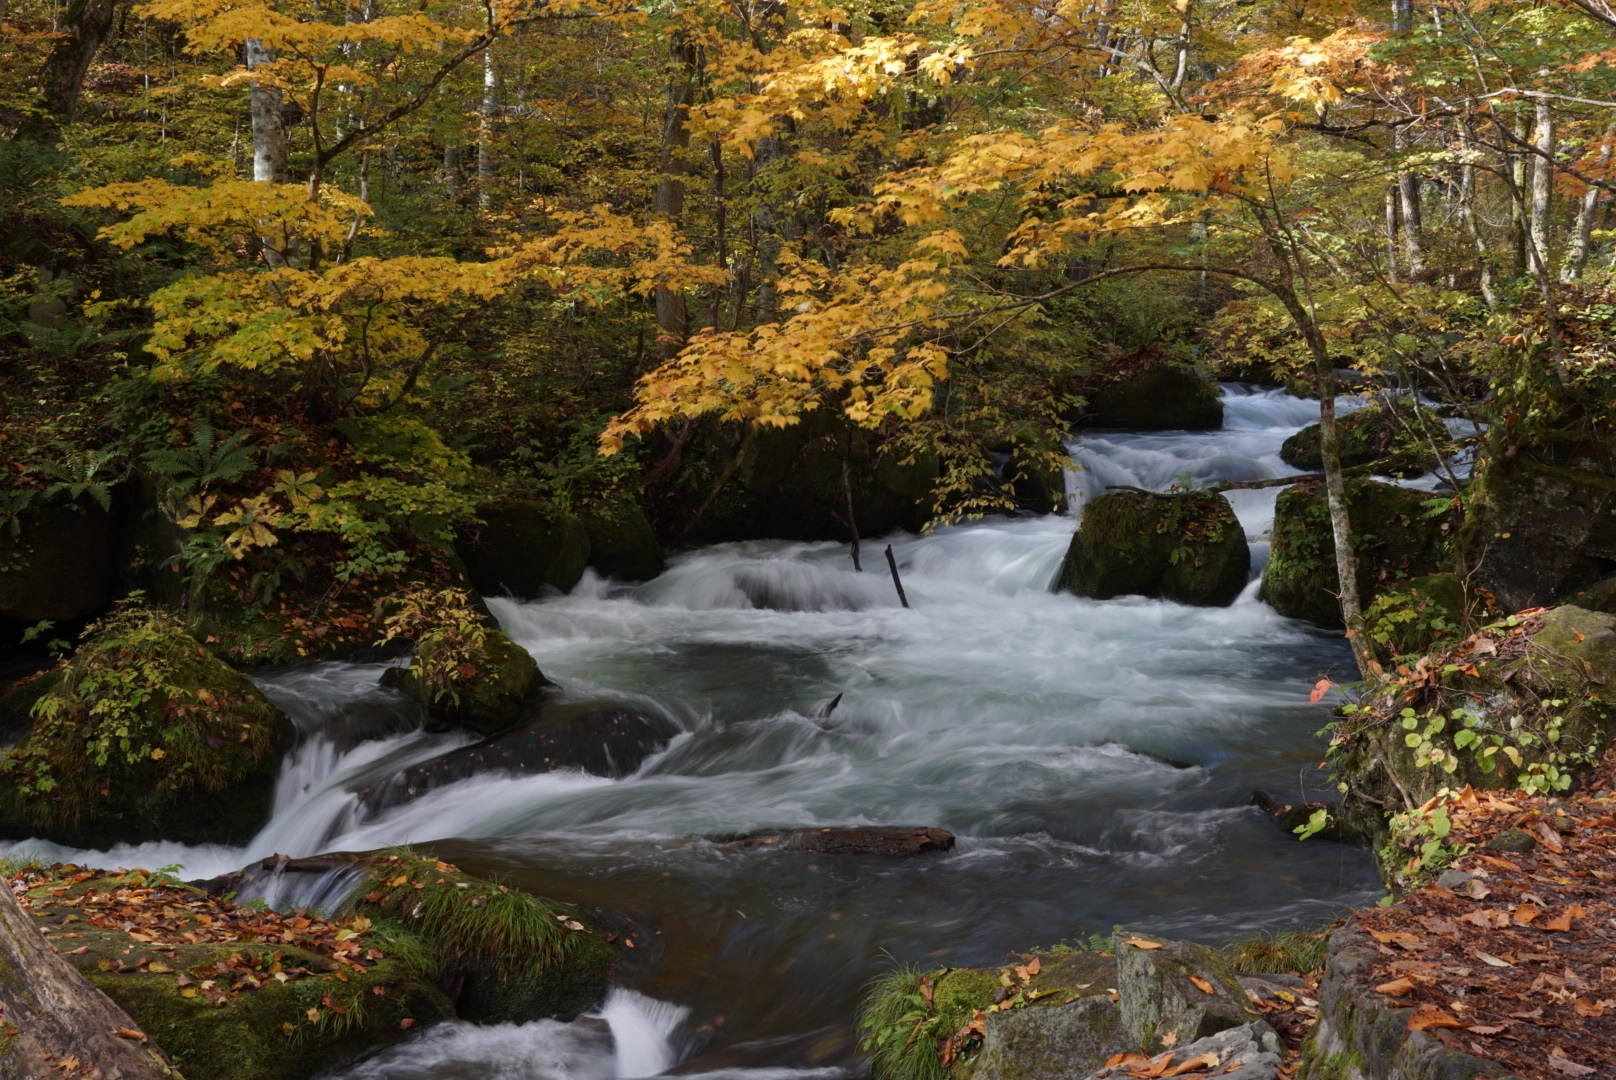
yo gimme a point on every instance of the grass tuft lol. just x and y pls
(1288, 951)
(893, 1021)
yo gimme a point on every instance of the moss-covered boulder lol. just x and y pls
(468, 677)
(1167, 397)
(1038, 485)
(523, 549)
(622, 543)
(1600, 596)
(1395, 539)
(143, 735)
(60, 563)
(787, 483)
(503, 955)
(1542, 519)
(260, 997)
(1050, 1010)
(1186, 546)
(1412, 617)
(1375, 435)
(1164, 997)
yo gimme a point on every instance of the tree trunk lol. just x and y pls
(62, 78)
(670, 190)
(1391, 232)
(1402, 16)
(1582, 231)
(1542, 188)
(59, 1015)
(1467, 211)
(485, 132)
(451, 171)
(269, 133)
(1408, 191)
(1517, 212)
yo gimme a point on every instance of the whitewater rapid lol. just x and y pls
(1095, 760)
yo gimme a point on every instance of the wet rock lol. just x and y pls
(786, 483)
(1513, 840)
(486, 701)
(523, 549)
(1052, 1043)
(1162, 1005)
(1274, 986)
(601, 740)
(1038, 486)
(62, 563)
(1371, 435)
(1290, 818)
(622, 544)
(1187, 547)
(1600, 596)
(852, 840)
(1395, 540)
(202, 752)
(1167, 397)
(1586, 639)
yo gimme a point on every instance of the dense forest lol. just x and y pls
(322, 323)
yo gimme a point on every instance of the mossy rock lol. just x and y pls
(1162, 1005)
(17, 702)
(487, 700)
(1600, 596)
(1371, 435)
(523, 549)
(259, 1034)
(1543, 518)
(786, 483)
(1038, 487)
(62, 563)
(190, 747)
(1394, 539)
(503, 955)
(1167, 397)
(1188, 547)
(1411, 617)
(622, 543)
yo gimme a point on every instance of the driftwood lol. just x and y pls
(65, 1027)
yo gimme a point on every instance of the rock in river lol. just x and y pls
(852, 840)
(1187, 547)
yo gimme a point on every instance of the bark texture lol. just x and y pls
(87, 22)
(269, 130)
(59, 1016)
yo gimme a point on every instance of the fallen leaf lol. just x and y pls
(1492, 961)
(1498, 863)
(80, 951)
(1476, 890)
(1395, 988)
(1486, 1029)
(1547, 835)
(1525, 913)
(1143, 943)
(1429, 1016)
(1533, 1015)
(1560, 1063)
(1586, 1007)
(379, 990)
(314, 1015)
(1320, 688)
(129, 1033)
(1407, 941)
(1562, 921)
(1205, 1061)
(1202, 985)
(157, 967)
(406, 1023)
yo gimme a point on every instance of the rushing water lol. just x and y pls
(1094, 758)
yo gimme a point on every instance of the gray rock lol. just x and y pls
(1579, 635)
(1453, 879)
(1513, 840)
(1062, 1042)
(1248, 1052)
(1271, 987)
(1159, 998)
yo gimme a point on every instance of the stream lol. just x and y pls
(1094, 759)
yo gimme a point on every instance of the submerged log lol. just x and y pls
(855, 840)
(64, 1026)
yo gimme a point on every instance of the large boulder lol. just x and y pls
(143, 735)
(523, 549)
(1057, 1043)
(1167, 397)
(601, 740)
(61, 564)
(1187, 547)
(622, 543)
(1543, 519)
(787, 483)
(1395, 539)
(1371, 435)
(479, 683)
(1175, 992)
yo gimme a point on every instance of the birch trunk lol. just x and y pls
(1542, 187)
(485, 132)
(1582, 230)
(269, 131)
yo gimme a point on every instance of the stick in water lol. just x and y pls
(852, 522)
(896, 580)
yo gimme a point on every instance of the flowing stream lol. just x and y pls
(1094, 758)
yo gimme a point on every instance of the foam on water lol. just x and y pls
(1093, 757)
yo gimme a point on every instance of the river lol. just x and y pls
(1094, 758)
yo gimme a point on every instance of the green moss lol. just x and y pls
(486, 699)
(144, 735)
(1187, 547)
(1415, 616)
(1395, 539)
(523, 548)
(1373, 434)
(512, 956)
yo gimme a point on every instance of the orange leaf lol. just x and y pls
(1034, 966)
(1320, 688)
(1486, 1029)
(1202, 985)
(406, 1023)
(1526, 913)
(1547, 835)
(1205, 1061)
(1143, 943)
(1429, 1016)
(129, 1033)
(1586, 1007)
(1395, 988)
